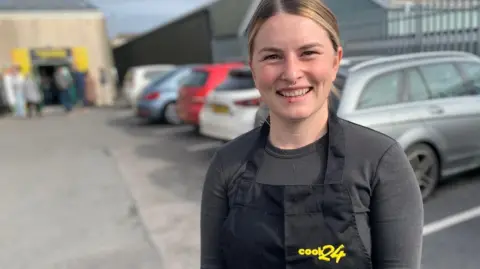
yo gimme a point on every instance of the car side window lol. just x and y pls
(472, 73)
(381, 91)
(443, 80)
(417, 89)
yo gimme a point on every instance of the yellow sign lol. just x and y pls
(21, 58)
(80, 58)
(50, 53)
(325, 253)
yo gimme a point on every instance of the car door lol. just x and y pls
(380, 99)
(471, 103)
(450, 112)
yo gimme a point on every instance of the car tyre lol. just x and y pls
(170, 115)
(426, 165)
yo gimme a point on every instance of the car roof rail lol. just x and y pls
(410, 56)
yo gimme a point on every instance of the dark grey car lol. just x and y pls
(429, 102)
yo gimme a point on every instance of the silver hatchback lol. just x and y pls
(429, 102)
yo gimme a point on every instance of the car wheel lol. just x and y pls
(170, 114)
(426, 165)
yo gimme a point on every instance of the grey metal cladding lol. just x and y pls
(22, 5)
(227, 16)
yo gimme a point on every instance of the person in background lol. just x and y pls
(79, 81)
(17, 84)
(33, 96)
(90, 95)
(4, 106)
(8, 88)
(64, 82)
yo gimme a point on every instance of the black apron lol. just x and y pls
(294, 227)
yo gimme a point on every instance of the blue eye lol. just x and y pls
(309, 53)
(271, 57)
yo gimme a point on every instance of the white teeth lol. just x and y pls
(295, 93)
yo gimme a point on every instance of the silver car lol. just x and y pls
(429, 102)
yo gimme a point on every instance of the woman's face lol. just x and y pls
(294, 64)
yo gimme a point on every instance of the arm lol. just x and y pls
(396, 213)
(214, 210)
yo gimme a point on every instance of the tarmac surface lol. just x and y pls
(102, 190)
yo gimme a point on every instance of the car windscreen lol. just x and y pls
(170, 75)
(197, 78)
(154, 74)
(237, 80)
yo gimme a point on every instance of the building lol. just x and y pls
(121, 39)
(184, 40)
(229, 20)
(41, 34)
(350, 14)
(422, 25)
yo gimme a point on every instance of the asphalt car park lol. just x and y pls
(452, 214)
(167, 164)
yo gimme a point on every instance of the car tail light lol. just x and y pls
(198, 99)
(152, 96)
(249, 102)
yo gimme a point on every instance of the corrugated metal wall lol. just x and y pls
(185, 41)
(229, 49)
(60, 30)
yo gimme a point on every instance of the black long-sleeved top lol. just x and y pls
(386, 196)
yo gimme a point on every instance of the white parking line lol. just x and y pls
(173, 130)
(450, 221)
(204, 146)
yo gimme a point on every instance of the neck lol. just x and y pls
(297, 134)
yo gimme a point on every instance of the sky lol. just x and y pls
(133, 16)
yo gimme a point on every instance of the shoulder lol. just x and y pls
(365, 142)
(234, 154)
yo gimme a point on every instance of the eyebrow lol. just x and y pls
(304, 47)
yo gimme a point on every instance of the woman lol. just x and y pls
(307, 189)
(90, 96)
(18, 82)
(33, 95)
(64, 83)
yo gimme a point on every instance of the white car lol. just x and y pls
(230, 109)
(138, 77)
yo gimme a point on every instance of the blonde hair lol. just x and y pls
(315, 10)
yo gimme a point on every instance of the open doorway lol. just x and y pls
(46, 73)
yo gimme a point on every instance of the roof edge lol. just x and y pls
(203, 7)
(248, 16)
(21, 14)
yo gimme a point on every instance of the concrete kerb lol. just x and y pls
(139, 211)
(172, 223)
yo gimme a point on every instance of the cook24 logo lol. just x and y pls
(325, 253)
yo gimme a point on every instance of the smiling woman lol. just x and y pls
(307, 189)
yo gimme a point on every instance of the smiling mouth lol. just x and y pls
(295, 93)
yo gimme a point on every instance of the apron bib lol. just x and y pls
(294, 226)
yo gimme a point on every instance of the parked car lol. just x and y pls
(229, 110)
(158, 100)
(138, 77)
(197, 86)
(349, 61)
(429, 102)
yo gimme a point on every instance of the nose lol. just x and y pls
(292, 70)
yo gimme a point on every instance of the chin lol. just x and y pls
(297, 114)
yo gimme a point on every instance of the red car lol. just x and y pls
(197, 86)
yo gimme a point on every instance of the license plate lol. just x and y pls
(220, 109)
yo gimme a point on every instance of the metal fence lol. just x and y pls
(417, 26)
